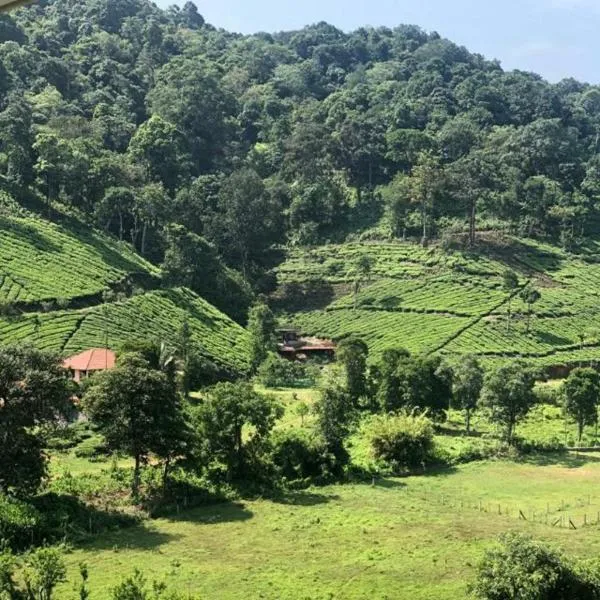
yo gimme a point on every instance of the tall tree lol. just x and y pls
(34, 393)
(508, 393)
(233, 424)
(138, 410)
(466, 386)
(352, 354)
(581, 392)
(261, 326)
(530, 296)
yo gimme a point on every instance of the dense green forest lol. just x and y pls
(138, 119)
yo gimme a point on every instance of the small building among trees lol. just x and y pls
(84, 364)
(296, 347)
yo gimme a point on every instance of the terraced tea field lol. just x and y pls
(43, 261)
(44, 265)
(154, 315)
(429, 300)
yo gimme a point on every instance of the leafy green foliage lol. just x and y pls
(581, 392)
(523, 568)
(138, 411)
(508, 393)
(466, 386)
(34, 392)
(192, 262)
(261, 327)
(302, 455)
(402, 441)
(232, 425)
(278, 372)
(351, 354)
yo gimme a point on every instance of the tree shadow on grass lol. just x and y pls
(149, 536)
(141, 537)
(224, 512)
(304, 498)
(566, 459)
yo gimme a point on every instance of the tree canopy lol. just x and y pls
(139, 117)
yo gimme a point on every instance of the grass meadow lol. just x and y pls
(416, 537)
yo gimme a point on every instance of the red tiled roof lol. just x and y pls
(96, 359)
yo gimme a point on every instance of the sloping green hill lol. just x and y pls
(430, 300)
(43, 262)
(152, 316)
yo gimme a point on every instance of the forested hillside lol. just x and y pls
(137, 117)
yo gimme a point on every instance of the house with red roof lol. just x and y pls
(84, 364)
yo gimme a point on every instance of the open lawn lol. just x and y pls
(417, 537)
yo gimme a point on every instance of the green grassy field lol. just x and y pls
(416, 537)
(450, 302)
(419, 536)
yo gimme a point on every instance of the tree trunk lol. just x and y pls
(468, 420)
(144, 231)
(240, 449)
(135, 487)
(579, 432)
(472, 217)
(424, 223)
(166, 476)
(120, 226)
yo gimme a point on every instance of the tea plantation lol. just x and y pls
(45, 261)
(452, 302)
(45, 266)
(155, 315)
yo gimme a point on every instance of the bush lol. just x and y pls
(545, 394)
(69, 436)
(279, 372)
(523, 568)
(301, 455)
(402, 441)
(92, 448)
(20, 523)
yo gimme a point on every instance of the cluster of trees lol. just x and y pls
(400, 381)
(138, 118)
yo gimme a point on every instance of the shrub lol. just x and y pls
(19, 523)
(279, 372)
(402, 441)
(523, 568)
(300, 455)
(547, 395)
(69, 436)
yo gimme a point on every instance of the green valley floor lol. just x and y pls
(416, 537)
